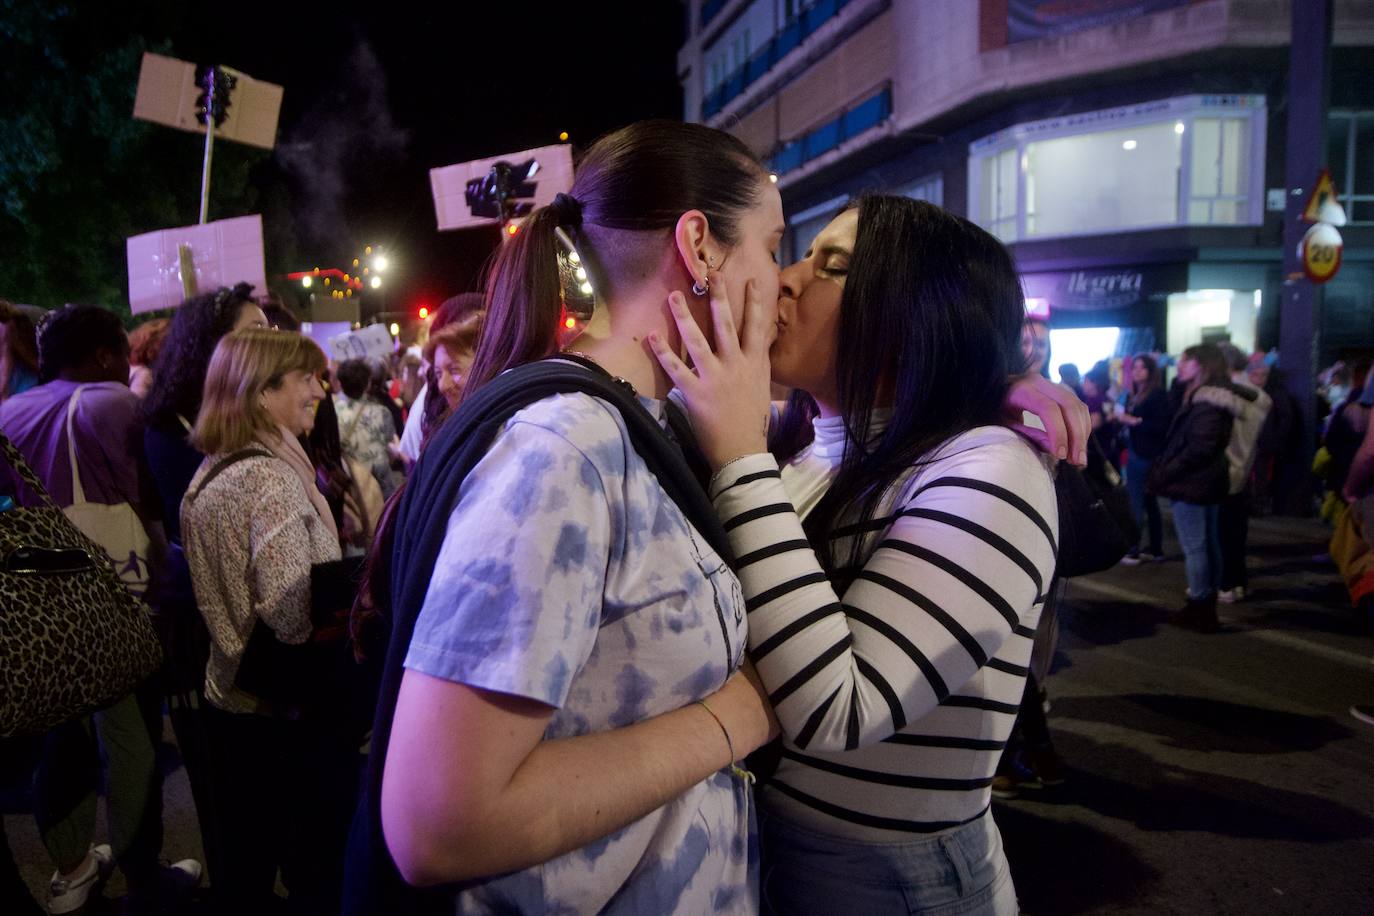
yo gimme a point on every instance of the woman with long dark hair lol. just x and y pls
(895, 566)
(1193, 474)
(1146, 418)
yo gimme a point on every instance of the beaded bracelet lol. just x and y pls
(735, 768)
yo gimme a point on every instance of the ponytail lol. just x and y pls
(522, 302)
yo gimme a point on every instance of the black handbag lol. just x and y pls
(1096, 524)
(320, 674)
(73, 638)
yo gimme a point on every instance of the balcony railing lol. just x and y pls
(766, 57)
(710, 9)
(869, 113)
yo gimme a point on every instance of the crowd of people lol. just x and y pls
(598, 626)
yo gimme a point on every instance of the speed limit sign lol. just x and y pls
(1320, 251)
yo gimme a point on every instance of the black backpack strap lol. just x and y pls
(242, 454)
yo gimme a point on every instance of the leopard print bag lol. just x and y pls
(73, 639)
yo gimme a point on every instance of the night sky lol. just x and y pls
(374, 99)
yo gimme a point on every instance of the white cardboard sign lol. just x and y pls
(167, 94)
(225, 252)
(449, 183)
(371, 342)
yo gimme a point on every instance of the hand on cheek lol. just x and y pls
(727, 387)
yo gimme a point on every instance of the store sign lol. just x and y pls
(1099, 289)
(1031, 19)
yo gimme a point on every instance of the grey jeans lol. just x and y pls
(121, 740)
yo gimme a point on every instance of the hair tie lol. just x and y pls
(567, 210)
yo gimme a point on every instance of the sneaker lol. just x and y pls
(1133, 558)
(1015, 776)
(1004, 787)
(1364, 712)
(1231, 595)
(172, 885)
(69, 895)
(1049, 769)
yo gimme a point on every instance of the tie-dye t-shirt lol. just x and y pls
(568, 576)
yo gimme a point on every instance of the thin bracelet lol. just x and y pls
(735, 768)
(721, 470)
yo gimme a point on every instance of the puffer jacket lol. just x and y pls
(1193, 467)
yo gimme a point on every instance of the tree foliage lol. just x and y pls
(78, 174)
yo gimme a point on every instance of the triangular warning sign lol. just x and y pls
(1324, 191)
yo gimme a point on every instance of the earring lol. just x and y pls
(701, 287)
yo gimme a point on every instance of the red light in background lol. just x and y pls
(512, 229)
(570, 323)
(424, 312)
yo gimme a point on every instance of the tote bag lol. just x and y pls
(116, 528)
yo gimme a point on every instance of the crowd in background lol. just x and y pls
(201, 428)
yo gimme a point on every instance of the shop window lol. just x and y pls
(930, 188)
(1350, 156)
(1220, 171)
(1102, 180)
(1195, 160)
(998, 194)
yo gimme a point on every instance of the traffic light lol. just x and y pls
(216, 87)
(424, 312)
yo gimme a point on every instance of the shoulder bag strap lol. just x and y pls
(225, 462)
(353, 424)
(78, 494)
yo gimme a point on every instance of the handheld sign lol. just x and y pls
(371, 342)
(168, 95)
(221, 253)
(462, 195)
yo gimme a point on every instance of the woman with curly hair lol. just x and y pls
(170, 408)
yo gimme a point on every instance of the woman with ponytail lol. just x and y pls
(569, 705)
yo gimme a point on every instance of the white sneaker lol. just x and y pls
(1231, 595)
(67, 895)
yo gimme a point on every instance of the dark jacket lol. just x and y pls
(1148, 437)
(1193, 467)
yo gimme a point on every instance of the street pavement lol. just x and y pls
(1213, 774)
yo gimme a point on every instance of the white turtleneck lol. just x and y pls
(808, 475)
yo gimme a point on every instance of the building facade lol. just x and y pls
(1129, 152)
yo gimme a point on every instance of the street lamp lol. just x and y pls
(376, 282)
(306, 281)
(379, 263)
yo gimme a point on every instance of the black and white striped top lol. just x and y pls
(898, 696)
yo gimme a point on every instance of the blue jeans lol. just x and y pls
(1144, 504)
(1201, 541)
(961, 872)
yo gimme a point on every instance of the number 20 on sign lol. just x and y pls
(1321, 252)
